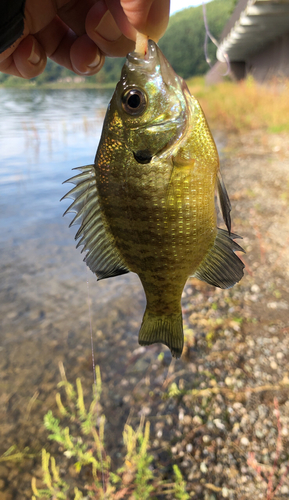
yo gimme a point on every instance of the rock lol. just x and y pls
(197, 420)
(244, 441)
(203, 468)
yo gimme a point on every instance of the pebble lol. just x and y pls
(219, 424)
(197, 420)
(146, 410)
(279, 355)
(244, 441)
(187, 420)
(203, 468)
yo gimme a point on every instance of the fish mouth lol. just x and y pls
(154, 61)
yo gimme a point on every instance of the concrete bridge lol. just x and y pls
(256, 41)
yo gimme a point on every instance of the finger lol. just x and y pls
(106, 34)
(86, 58)
(6, 53)
(121, 19)
(149, 17)
(27, 61)
(61, 44)
(73, 13)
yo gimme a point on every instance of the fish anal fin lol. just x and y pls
(221, 267)
(224, 201)
(167, 329)
(102, 255)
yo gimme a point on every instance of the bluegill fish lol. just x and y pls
(147, 204)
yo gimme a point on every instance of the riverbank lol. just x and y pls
(220, 412)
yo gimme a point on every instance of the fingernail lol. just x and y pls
(107, 28)
(34, 57)
(95, 62)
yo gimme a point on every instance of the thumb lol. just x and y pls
(149, 17)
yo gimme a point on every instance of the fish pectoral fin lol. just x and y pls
(224, 201)
(221, 267)
(165, 329)
(102, 256)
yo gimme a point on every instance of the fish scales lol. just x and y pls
(153, 186)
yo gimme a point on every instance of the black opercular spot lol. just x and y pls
(143, 156)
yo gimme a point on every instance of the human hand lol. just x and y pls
(79, 34)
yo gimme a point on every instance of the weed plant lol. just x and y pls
(80, 432)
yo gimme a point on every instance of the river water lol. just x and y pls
(44, 294)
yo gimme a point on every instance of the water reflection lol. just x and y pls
(43, 135)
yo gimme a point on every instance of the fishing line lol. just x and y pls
(213, 39)
(90, 327)
(93, 361)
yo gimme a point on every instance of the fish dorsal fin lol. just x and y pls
(224, 201)
(221, 267)
(102, 256)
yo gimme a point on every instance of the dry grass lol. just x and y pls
(244, 106)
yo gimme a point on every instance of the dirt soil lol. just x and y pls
(221, 412)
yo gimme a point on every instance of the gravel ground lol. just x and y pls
(221, 412)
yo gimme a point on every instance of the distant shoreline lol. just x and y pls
(27, 84)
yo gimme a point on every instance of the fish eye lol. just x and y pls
(134, 102)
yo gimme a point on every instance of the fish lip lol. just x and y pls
(147, 61)
(153, 61)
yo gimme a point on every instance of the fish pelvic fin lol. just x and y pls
(167, 329)
(221, 267)
(102, 255)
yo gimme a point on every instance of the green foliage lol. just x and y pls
(183, 45)
(82, 440)
(180, 485)
(173, 390)
(15, 455)
(183, 42)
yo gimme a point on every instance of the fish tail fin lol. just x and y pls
(167, 329)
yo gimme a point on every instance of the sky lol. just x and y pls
(177, 5)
